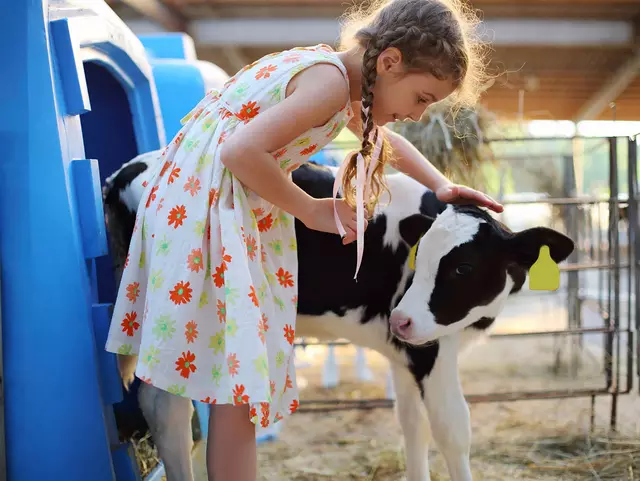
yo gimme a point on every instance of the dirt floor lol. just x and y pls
(525, 440)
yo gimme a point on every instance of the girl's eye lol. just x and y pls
(421, 100)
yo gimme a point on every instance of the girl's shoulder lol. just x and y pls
(286, 63)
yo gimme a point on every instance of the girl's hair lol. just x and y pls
(434, 36)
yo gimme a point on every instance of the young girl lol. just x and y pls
(208, 294)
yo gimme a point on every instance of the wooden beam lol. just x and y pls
(157, 11)
(611, 89)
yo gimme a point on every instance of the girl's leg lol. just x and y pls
(231, 444)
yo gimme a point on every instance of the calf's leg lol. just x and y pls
(169, 420)
(448, 411)
(412, 416)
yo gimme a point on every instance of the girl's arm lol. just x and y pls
(313, 97)
(411, 162)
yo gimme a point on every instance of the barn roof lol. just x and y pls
(560, 59)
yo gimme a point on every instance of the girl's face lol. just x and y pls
(400, 96)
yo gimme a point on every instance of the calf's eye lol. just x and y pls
(464, 269)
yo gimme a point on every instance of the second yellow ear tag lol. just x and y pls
(412, 256)
(544, 274)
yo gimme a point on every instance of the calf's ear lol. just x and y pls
(412, 228)
(524, 247)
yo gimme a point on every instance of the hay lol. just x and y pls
(146, 454)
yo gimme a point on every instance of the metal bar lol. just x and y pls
(632, 226)
(614, 284)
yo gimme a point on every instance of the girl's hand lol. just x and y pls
(320, 217)
(460, 194)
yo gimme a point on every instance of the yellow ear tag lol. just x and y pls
(544, 274)
(412, 256)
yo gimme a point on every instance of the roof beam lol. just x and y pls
(159, 13)
(255, 32)
(611, 89)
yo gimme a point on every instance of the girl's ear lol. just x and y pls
(389, 60)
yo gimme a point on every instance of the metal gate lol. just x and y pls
(601, 275)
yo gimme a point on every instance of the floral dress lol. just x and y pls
(208, 294)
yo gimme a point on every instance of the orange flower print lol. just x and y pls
(280, 153)
(159, 206)
(263, 327)
(284, 278)
(146, 379)
(309, 150)
(181, 293)
(126, 261)
(192, 186)
(129, 323)
(145, 184)
(264, 255)
(248, 111)
(288, 384)
(272, 385)
(293, 407)
(222, 137)
(222, 312)
(177, 215)
(218, 276)
(213, 196)
(233, 364)
(264, 422)
(191, 332)
(165, 167)
(265, 72)
(185, 364)
(175, 173)
(253, 297)
(253, 413)
(178, 138)
(265, 223)
(224, 113)
(251, 247)
(133, 291)
(239, 397)
(292, 58)
(289, 333)
(278, 417)
(152, 196)
(194, 260)
(225, 258)
(208, 400)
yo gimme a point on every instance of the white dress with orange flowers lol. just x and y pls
(209, 292)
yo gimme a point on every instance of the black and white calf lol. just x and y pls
(467, 265)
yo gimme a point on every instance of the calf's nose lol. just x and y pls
(400, 323)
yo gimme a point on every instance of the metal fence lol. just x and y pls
(599, 281)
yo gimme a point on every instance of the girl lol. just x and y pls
(208, 294)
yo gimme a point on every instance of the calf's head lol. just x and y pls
(466, 265)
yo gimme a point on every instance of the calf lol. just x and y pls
(466, 266)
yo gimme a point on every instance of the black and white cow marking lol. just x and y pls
(467, 265)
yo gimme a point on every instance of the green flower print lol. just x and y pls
(216, 373)
(284, 219)
(276, 245)
(164, 328)
(231, 327)
(163, 246)
(262, 365)
(293, 245)
(177, 390)
(142, 260)
(204, 299)
(199, 228)
(190, 145)
(262, 292)
(156, 280)
(231, 295)
(125, 349)
(276, 93)
(149, 357)
(203, 161)
(217, 342)
(280, 358)
(279, 302)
